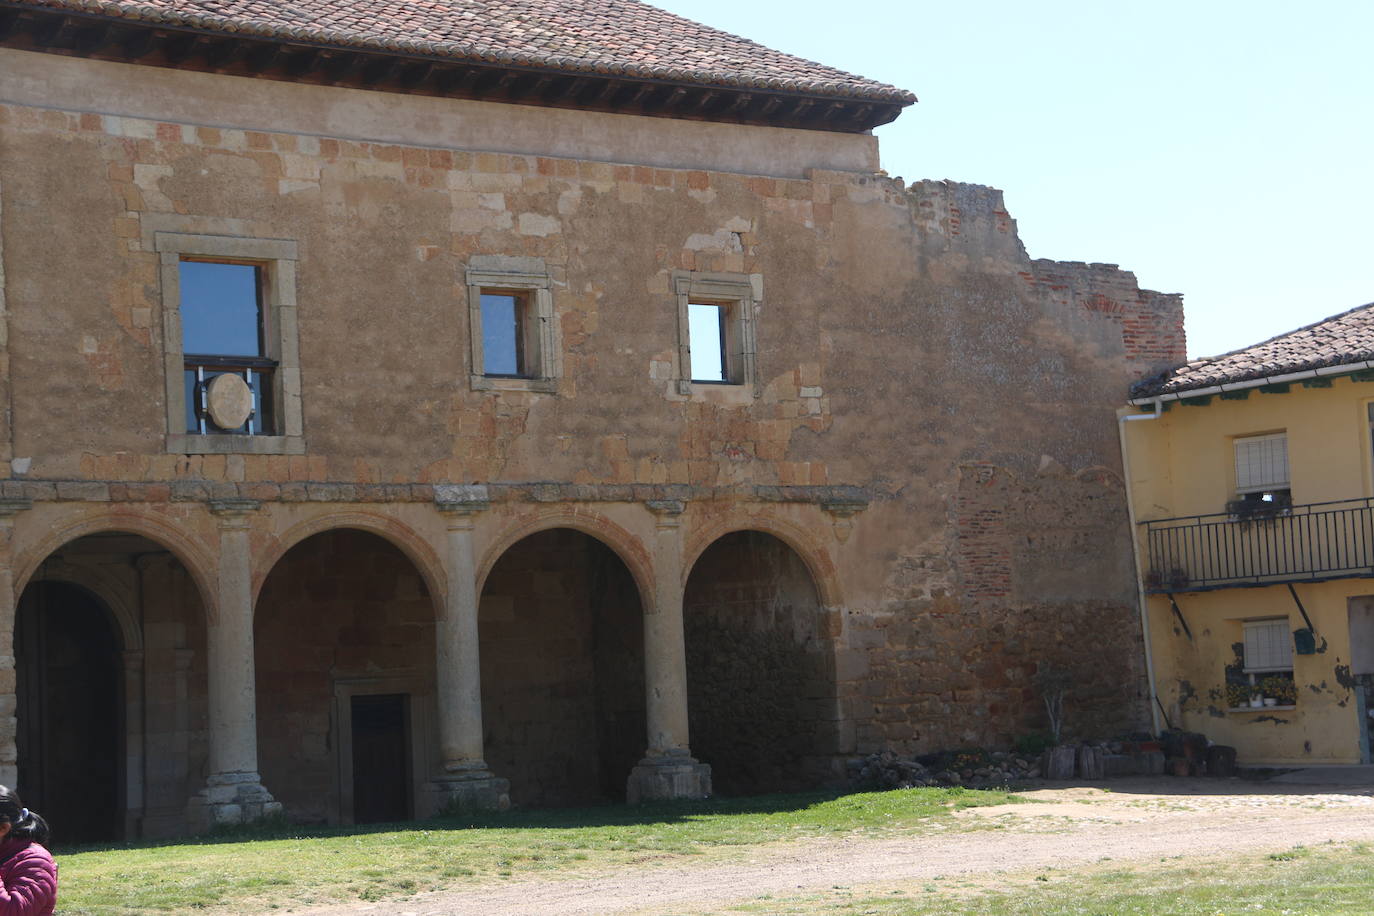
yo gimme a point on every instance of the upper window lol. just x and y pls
(229, 336)
(228, 375)
(716, 330)
(512, 328)
(708, 327)
(1262, 469)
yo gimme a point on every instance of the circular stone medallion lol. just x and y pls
(229, 401)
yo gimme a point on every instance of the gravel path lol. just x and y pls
(1134, 819)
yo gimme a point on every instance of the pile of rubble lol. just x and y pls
(977, 768)
(886, 770)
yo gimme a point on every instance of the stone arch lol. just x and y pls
(344, 628)
(761, 651)
(400, 535)
(104, 589)
(561, 630)
(622, 543)
(185, 547)
(824, 575)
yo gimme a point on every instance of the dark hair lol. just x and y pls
(26, 824)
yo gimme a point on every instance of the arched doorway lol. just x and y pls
(111, 689)
(760, 667)
(344, 647)
(562, 646)
(69, 690)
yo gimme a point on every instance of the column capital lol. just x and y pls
(459, 502)
(234, 508)
(668, 511)
(9, 508)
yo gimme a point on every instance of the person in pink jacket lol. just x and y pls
(28, 876)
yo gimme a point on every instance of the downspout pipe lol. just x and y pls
(1142, 600)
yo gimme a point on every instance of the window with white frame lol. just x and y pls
(511, 324)
(1262, 469)
(1266, 671)
(716, 344)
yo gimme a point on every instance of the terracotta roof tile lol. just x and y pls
(624, 37)
(1336, 341)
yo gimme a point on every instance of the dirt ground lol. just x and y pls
(1121, 820)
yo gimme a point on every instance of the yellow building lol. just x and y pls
(1251, 483)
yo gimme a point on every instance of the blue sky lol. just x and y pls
(1218, 149)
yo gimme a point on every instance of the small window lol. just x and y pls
(710, 361)
(222, 334)
(1268, 646)
(505, 324)
(511, 321)
(716, 344)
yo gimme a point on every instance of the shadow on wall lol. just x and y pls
(760, 670)
(562, 647)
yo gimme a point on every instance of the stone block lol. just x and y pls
(661, 779)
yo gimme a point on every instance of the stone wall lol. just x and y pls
(562, 670)
(343, 608)
(760, 679)
(932, 429)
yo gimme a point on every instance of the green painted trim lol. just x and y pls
(1280, 388)
(1197, 402)
(1241, 395)
(1318, 382)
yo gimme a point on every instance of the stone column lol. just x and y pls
(9, 751)
(668, 769)
(234, 792)
(465, 780)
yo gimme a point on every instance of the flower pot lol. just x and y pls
(1270, 701)
(1256, 702)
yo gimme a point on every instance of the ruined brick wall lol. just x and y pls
(562, 670)
(340, 607)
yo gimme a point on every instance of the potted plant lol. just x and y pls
(1282, 690)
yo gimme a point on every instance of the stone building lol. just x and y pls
(410, 403)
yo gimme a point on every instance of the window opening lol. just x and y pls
(505, 324)
(1262, 474)
(707, 331)
(222, 333)
(1267, 665)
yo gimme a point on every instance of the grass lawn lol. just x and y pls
(1326, 880)
(284, 867)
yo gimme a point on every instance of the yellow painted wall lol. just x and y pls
(1183, 464)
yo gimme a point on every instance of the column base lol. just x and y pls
(467, 788)
(230, 798)
(669, 776)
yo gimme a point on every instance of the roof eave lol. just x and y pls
(308, 60)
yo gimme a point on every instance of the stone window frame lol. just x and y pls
(740, 294)
(530, 278)
(281, 339)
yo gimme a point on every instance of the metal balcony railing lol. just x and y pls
(1307, 543)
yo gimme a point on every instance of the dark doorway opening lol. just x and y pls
(67, 661)
(381, 759)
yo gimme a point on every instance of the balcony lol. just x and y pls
(1308, 543)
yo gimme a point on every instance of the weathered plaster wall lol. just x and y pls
(904, 338)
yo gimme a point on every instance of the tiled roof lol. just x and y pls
(1336, 341)
(614, 37)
